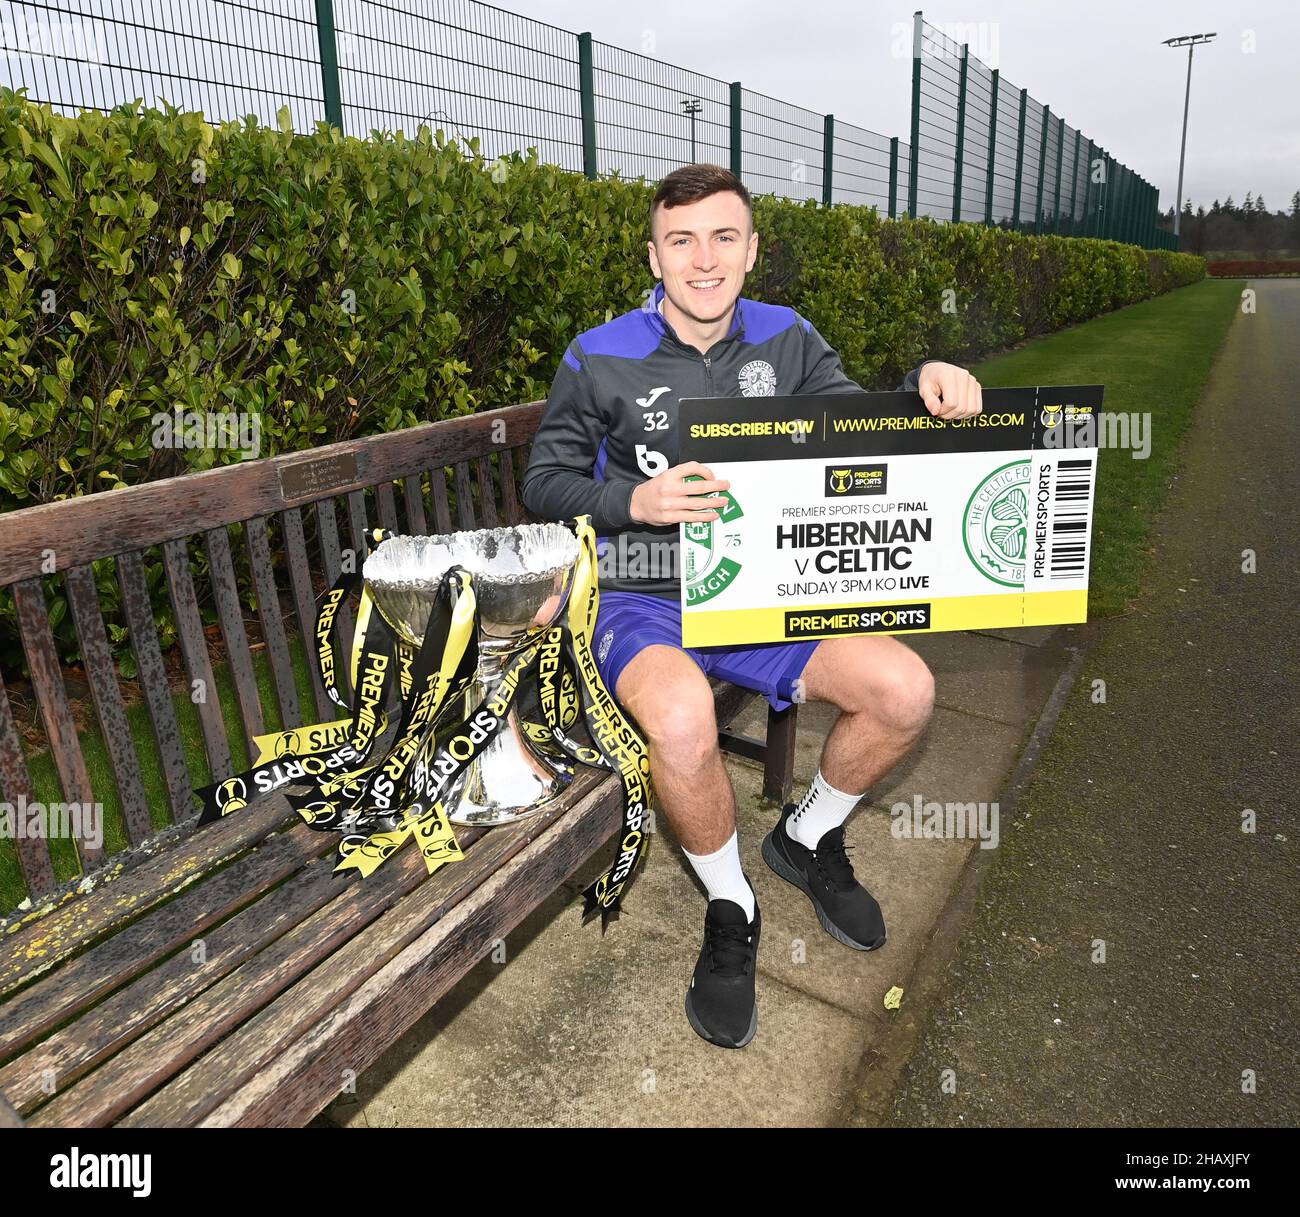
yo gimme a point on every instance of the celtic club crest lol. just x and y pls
(995, 526)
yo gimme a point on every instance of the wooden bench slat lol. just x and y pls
(8, 1117)
(107, 696)
(152, 675)
(304, 600)
(198, 663)
(387, 507)
(358, 524)
(230, 616)
(80, 982)
(16, 782)
(277, 1029)
(163, 1051)
(441, 507)
(268, 615)
(416, 966)
(413, 501)
(487, 499)
(52, 698)
(331, 557)
(81, 529)
(464, 497)
(509, 500)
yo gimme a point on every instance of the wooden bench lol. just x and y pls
(226, 976)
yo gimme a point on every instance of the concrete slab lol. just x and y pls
(1026, 635)
(959, 758)
(987, 676)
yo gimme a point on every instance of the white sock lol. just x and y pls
(722, 876)
(822, 809)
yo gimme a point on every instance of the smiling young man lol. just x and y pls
(607, 446)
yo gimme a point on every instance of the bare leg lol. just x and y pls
(885, 694)
(672, 702)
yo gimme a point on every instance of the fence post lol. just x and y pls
(961, 135)
(1099, 201)
(1020, 161)
(1042, 169)
(1060, 160)
(737, 96)
(1104, 198)
(893, 178)
(993, 147)
(329, 63)
(587, 86)
(914, 154)
(1074, 184)
(1086, 219)
(1116, 208)
(828, 158)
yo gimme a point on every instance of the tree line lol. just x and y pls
(1248, 226)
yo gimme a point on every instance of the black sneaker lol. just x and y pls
(720, 1002)
(847, 911)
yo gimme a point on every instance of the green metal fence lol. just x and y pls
(988, 153)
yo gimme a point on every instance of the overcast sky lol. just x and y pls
(1100, 65)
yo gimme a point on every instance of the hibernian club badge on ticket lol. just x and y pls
(861, 513)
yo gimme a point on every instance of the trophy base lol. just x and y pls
(505, 783)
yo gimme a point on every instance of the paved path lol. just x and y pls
(1131, 829)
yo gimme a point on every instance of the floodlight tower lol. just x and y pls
(1190, 41)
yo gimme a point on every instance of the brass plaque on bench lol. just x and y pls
(317, 477)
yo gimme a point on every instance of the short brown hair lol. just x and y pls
(691, 183)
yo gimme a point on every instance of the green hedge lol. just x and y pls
(339, 287)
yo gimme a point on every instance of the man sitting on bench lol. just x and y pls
(607, 446)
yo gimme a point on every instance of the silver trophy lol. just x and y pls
(522, 576)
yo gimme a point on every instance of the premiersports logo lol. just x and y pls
(856, 479)
(232, 795)
(995, 525)
(1058, 413)
(711, 552)
(866, 619)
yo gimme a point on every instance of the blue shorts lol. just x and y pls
(627, 622)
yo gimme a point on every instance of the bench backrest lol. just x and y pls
(458, 473)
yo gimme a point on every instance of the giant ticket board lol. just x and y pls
(862, 513)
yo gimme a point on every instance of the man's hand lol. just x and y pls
(668, 499)
(949, 391)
